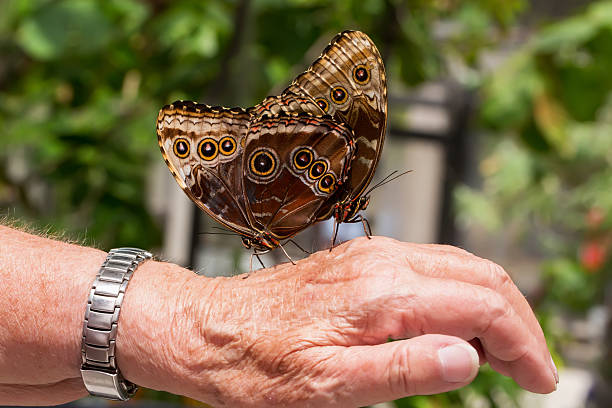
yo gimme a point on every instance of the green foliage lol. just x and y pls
(550, 112)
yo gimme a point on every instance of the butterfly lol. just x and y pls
(265, 178)
(272, 170)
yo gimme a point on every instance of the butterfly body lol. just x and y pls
(348, 209)
(270, 171)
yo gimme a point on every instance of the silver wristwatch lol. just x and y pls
(99, 368)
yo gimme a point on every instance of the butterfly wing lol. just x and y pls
(348, 82)
(287, 103)
(293, 165)
(202, 146)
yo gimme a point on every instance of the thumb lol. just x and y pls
(428, 364)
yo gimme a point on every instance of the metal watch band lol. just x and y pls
(99, 369)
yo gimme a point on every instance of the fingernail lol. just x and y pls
(459, 362)
(555, 372)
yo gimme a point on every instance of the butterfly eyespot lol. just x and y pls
(317, 169)
(339, 95)
(262, 163)
(323, 104)
(227, 145)
(302, 158)
(208, 149)
(361, 75)
(181, 147)
(327, 183)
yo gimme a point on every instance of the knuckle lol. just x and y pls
(399, 373)
(358, 244)
(496, 305)
(499, 277)
(373, 245)
(495, 308)
(451, 248)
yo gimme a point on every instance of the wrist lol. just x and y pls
(160, 333)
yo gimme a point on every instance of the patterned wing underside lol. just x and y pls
(365, 108)
(290, 201)
(286, 103)
(215, 185)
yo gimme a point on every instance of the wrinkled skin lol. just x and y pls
(314, 334)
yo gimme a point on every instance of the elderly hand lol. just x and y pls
(312, 334)
(316, 334)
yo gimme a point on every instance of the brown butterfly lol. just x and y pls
(270, 171)
(348, 82)
(265, 178)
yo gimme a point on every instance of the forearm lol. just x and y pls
(45, 284)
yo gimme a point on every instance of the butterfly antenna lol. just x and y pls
(380, 182)
(386, 180)
(383, 181)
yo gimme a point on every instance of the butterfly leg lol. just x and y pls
(334, 235)
(365, 223)
(299, 246)
(367, 230)
(256, 255)
(286, 254)
(260, 261)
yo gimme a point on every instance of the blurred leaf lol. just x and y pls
(552, 121)
(74, 26)
(474, 208)
(565, 34)
(509, 94)
(600, 13)
(567, 283)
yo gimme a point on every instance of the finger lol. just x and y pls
(524, 378)
(470, 311)
(482, 359)
(428, 364)
(458, 264)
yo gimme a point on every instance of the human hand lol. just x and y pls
(315, 334)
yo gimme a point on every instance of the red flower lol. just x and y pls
(593, 255)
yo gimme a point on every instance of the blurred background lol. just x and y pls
(502, 110)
